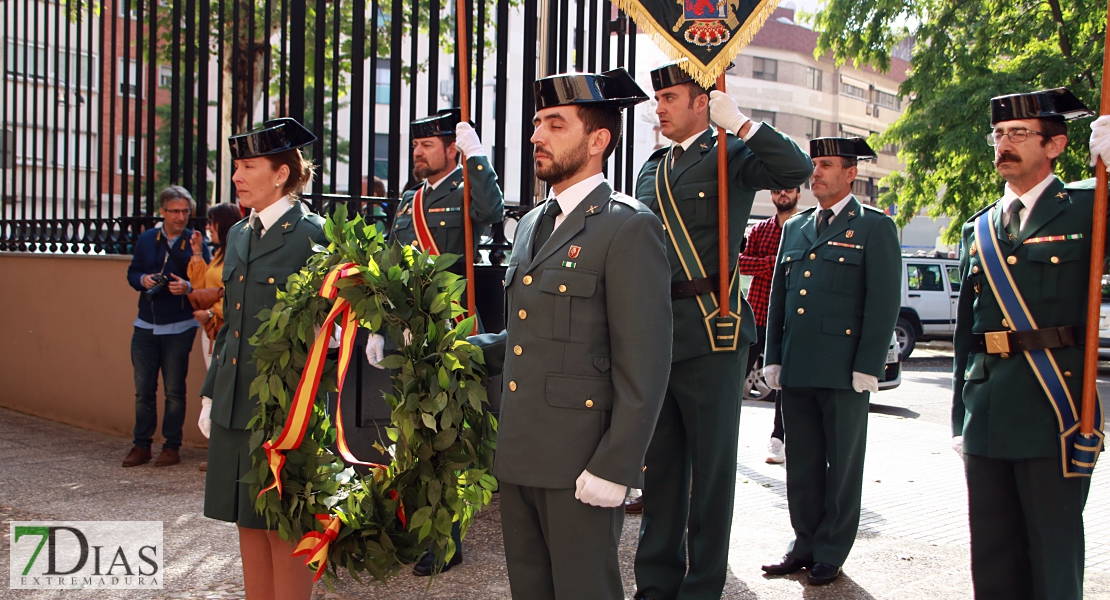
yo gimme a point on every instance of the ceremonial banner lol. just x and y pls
(710, 33)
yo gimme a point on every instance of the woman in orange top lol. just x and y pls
(203, 275)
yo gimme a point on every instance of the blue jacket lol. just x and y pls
(150, 257)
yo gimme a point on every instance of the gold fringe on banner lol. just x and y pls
(705, 75)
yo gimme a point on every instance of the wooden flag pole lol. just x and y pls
(462, 52)
(722, 213)
(1098, 250)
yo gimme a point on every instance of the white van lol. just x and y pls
(930, 292)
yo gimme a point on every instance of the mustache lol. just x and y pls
(1007, 157)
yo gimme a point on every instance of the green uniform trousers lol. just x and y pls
(690, 481)
(826, 433)
(1026, 529)
(558, 547)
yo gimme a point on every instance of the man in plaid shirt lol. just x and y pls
(758, 260)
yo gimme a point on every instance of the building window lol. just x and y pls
(130, 81)
(813, 128)
(889, 149)
(888, 100)
(813, 78)
(165, 77)
(26, 59)
(381, 84)
(766, 69)
(381, 156)
(82, 70)
(862, 188)
(134, 156)
(852, 90)
(764, 116)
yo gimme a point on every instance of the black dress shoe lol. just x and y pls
(788, 565)
(426, 564)
(822, 573)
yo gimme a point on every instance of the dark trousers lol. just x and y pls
(754, 353)
(170, 354)
(824, 470)
(690, 480)
(1026, 529)
(559, 548)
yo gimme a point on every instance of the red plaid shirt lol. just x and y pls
(758, 260)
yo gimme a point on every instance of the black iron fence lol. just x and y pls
(106, 102)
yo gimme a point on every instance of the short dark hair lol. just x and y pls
(1052, 127)
(694, 89)
(849, 161)
(603, 116)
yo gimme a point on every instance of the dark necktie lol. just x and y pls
(823, 219)
(547, 224)
(256, 230)
(676, 154)
(1013, 224)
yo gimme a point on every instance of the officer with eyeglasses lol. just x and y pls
(1024, 272)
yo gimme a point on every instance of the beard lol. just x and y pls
(564, 166)
(785, 203)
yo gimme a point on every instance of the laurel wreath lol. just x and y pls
(443, 435)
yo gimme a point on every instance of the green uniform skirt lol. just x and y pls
(225, 497)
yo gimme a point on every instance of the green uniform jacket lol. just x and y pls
(251, 280)
(587, 349)
(998, 406)
(834, 297)
(769, 160)
(443, 208)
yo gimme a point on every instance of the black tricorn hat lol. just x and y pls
(275, 136)
(614, 87)
(672, 74)
(1046, 104)
(855, 147)
(441, 123)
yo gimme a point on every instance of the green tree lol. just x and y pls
(965, 53)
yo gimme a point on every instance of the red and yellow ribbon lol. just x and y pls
(315, 544)
(296, 423)
(425, 241)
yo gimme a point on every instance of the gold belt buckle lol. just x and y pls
(998, 342)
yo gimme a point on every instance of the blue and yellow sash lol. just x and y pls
(1077, 453)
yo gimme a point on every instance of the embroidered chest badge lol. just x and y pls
(574, 251)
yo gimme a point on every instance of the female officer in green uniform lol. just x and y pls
(262, 251)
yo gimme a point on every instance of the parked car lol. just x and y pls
(930, 292)
(755, 386)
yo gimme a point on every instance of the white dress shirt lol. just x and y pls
(836, 208)
(271, 213)
(1028, 199)
(575, 194)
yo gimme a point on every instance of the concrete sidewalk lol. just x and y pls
(912, 541)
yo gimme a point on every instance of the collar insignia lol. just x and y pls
(591, 210)
(285, 225)
(1061, 195)
(851, 213)
(704, 145)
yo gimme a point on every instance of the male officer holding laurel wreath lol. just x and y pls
(1019, 356)
(585, 354)
(691, 463)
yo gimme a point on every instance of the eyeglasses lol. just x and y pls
(177, 211)
(1016, 136)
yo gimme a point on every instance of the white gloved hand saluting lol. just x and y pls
(466, 140)
(205, 422)
(596, 491)
(1100, 141)
(375, 350)
(864, 382)
(724, 112)
(771, 376)
(958, 444)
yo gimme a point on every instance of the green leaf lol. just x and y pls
(429, 421)
(393, 361)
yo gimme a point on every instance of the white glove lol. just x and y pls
(205, 422)
(771, 376)
(1100, 141)
(596, 491)
(375, 350)
(958, 444)
(864, 382)
(724, 112)
(406, 335)
(466, 140)
(336, 333)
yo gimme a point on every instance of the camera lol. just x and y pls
(160, 283)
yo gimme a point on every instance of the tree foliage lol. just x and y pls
(965, 53)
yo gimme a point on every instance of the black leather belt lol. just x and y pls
(694, 287)
(1005, 342)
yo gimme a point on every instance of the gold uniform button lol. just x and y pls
(527, 280)
(1067, 373)
(787, 259)
(517, 350)
(975, 269)
(233, 361)
(812, 256)
(802, 293)
(1054, 259)
(806, 274)
(240, 278)
(841, 259)
(589, 403)
(238, 305)
(270, 280)
(523, 314)
(512, 386)
(1005, 323)
(236, 334)
(479, 167)
(801, 311)
(442, 223)
(562, 289)
(701, 194)
(848, 332)
(1005, 355)
(1011, 260)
